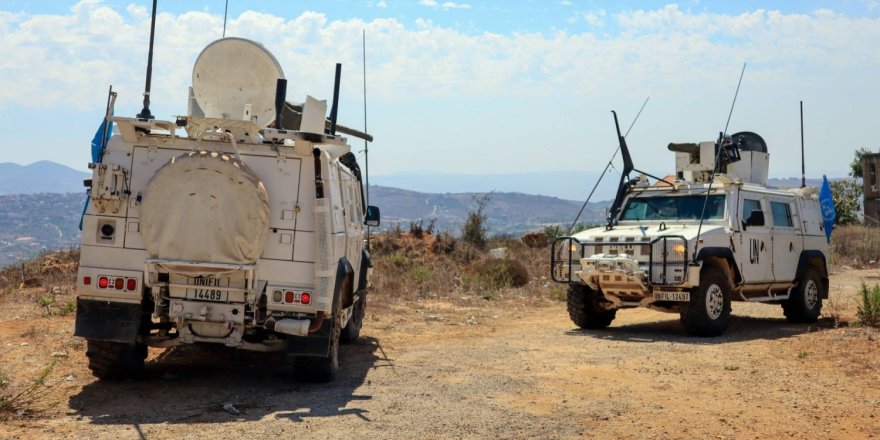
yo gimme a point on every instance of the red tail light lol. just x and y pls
(288, 297)
(87, 281)
(305, 298)
(119, 283)
(103, 282)
(131, 284)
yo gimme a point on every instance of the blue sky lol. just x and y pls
(467, 87)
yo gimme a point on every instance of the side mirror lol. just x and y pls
(756, 218)
(371, 218)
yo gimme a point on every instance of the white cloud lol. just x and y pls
(70, 59)
(381, 4)
(445, 5)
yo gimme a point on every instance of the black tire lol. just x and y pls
(708, 311)
(352, 331)
(805, 303)
(321, 369)
(585, 310)
(116, 360)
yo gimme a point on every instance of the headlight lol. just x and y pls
(679, 249)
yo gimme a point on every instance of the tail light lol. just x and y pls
(131, 284)
(305, 298)
(119, 283)
(103, 282)
(87, 281)
(288, 297)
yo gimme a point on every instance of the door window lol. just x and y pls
(750, 205)
(781, 214)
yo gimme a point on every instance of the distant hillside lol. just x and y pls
(40, 177)
(508, 213)
(32, 223)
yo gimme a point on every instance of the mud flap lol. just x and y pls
(108, 320)
(315, 344)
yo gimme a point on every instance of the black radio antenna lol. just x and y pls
(717, 160)
(366, 144)
(145, 113)
(608, 165)
(225, 13)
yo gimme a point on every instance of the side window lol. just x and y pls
(781, 214)
(750, 205)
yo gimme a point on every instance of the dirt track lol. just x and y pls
(476, 369)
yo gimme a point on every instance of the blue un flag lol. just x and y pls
(826, 201)
(99, 143)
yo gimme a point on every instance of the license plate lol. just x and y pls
(204, 289)
(672, 296)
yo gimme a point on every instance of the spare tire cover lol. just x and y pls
(207, 207)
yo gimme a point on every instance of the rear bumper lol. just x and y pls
(111, 321)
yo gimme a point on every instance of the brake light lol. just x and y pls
(305, 298)
(103, 282)
(87, 281)
(288, 297)
(131, 284)
(119, 283)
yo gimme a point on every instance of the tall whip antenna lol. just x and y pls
(717, 160)
(225, 11)
(366, 144)
(574, 223)
(803, 166)
(145, 113)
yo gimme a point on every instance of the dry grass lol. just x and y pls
(50, 269)
(408, 267)
(855, 246)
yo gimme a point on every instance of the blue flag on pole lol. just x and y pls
(826, 201)
(99, 142)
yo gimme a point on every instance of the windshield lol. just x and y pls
(673, 208)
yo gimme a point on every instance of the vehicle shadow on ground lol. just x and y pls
(196, 384)
(740, 328)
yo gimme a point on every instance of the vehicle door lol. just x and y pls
(754, 252)
(787, 238)
(353, 218)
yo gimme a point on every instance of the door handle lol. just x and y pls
(791, 247)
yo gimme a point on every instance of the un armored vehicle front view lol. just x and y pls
(694, 242)
(240, 224)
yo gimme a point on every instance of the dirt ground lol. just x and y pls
(512, 367)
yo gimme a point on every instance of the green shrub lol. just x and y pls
(67, 308)
(474, 229)
(420, 273)
(869, 309)
(496, 274)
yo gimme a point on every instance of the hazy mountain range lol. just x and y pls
(40, 203)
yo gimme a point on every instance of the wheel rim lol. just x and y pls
(714, 301)
(811, 294)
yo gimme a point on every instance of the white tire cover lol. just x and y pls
(207, 207)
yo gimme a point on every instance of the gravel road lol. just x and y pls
(464, 368)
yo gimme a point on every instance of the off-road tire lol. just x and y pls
(352, 331)
(708, 311)
(321, 369)
(805, 303)
(116, 360)
(584, 309)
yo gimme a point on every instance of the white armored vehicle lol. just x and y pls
(693, 243)
(241, 224)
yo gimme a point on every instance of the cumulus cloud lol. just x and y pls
(70, 59)
(444, 5)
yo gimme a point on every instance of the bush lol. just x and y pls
(869, 309)
(494, 274)
(474, 229)
(847, 196)
(443, 244)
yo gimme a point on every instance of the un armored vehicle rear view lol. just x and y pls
(694, 242)
(240, 224)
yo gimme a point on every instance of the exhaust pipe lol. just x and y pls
(294, 327)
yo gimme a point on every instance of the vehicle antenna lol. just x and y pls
(225, 11)
(803, 167)
(145, 113)
(335, 108)
(584, 206)
(366, 144)
(717, 160)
